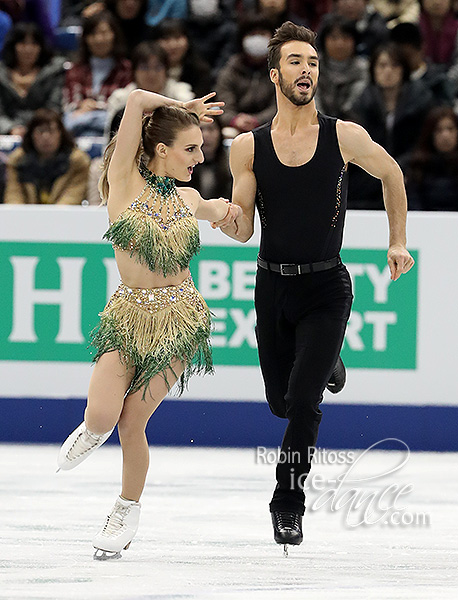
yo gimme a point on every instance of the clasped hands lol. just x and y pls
(233, 212)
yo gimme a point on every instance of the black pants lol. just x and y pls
(301, 323)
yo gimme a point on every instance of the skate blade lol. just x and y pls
(106, 555)
(285, 550)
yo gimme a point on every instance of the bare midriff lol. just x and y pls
(135, 275)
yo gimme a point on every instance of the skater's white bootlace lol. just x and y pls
(115, 522)
(83, 443)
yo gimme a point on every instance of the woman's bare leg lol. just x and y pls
(131, 429)
(109, 382)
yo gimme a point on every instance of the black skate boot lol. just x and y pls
(338, 378)
(287, 528)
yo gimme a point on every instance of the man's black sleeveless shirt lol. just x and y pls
(302, 209)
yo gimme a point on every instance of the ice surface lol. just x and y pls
(205, 530)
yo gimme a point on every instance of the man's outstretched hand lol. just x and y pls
(399, 261)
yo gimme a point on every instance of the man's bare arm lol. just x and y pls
(243, 187)
(358, 148)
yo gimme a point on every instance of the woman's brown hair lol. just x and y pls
(162, 126)
(89, 26)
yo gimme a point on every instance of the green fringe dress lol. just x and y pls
(153, 327)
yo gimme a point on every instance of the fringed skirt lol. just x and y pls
(153, 328)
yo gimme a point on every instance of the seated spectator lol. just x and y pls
(30, 78)
(48, 168)
(213, 178)
(185, 62)
(150, 68)
(392, 109)
(244, 83)
(101, 69)
(343, 75)
(397, 11)
(158, 10)
(213, 31)
(370, 24)
(439, 28)
(131, 15)
(408, 37)
(432, 171)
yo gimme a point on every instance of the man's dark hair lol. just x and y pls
(288, 32)
(407, 33)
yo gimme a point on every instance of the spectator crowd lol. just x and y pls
(68, 66)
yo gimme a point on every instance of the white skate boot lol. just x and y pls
(78, 446)
(119, 530)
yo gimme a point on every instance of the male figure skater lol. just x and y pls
(294, 170)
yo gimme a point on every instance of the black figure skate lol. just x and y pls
(338, 378)
(287, 528)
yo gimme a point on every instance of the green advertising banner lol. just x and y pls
(53, 291)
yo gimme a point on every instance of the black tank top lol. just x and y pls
(302, 209)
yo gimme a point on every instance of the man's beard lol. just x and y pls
(288, 90)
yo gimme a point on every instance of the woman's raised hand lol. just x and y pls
(205, 110)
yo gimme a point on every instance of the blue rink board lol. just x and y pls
(242, 424)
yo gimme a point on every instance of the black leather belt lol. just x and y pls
(292, 269)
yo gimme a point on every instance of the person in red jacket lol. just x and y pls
(101, 69)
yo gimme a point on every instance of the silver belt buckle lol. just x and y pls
(283, 265)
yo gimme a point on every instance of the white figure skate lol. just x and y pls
(78, 446)
(118, 531)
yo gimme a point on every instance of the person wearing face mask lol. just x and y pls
(244, 83)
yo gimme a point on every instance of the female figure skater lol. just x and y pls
(155, 329)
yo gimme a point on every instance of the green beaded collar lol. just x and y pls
(164, 185)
